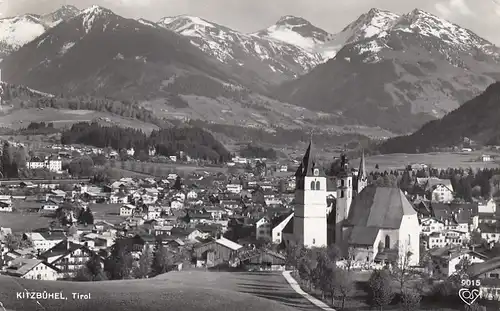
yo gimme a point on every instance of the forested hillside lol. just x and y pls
(477, 119)
(193, 141)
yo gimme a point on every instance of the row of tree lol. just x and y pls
(193, 141)
(120, 264)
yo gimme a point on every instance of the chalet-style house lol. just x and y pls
(34, 269)
(68, 257)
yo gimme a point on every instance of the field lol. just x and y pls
(107, 212)
(440, 160)
(163, 169)
(186, 291)
(22, 222)
(64, 117)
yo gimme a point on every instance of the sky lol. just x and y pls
(480, 16)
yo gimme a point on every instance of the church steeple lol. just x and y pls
(308, 164)
(362, 179)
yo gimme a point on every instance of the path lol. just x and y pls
(296, 287)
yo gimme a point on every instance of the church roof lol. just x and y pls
(308, 164)
(379, 207)
(363, 235)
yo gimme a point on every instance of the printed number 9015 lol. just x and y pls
(471, 283)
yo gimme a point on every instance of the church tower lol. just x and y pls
(362, 178)
(309, 222)
(344, 198)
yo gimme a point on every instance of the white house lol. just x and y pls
(118, 198)
(442, 193)
(6, 206)
(263, 228)
(446, 260)
(192, 195)
(234, 188)
(277, 232)
(127, 210)
(43, 241)
(487, 207)
(429, 226)
(33, 269)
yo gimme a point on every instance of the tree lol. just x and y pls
(143, 268)
(118, 265)
(344, 285)
(178, 184)
(161, 259)
(16, 241)
(7, 160)
(410, 300)
(20, 157)
(92, 271)
(381, 293)
(402, 271)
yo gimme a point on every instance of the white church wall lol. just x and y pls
(409, 235)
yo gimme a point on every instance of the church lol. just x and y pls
(369, 223)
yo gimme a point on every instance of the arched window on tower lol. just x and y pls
(341, 193)
(318, 185)
(387, 242)
(312, 185)
(342, 183)
(409, 239)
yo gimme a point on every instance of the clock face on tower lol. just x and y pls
(316, 172)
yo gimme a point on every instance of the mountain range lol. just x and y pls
(382, 73)
(401, 72)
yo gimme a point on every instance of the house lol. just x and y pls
(34, 269)
(127, 210)
(68, 257)
(118, 198)
(43, 241)
(234, 188)
(49, 205)
(441, 193)
(277, 231)
(488, 272)
(429, 226)
(260, 259)
(263, 230)
(216, 253)
(5, 206)
(446, 260)
(487, 207)
(486, 158)
(192, 195)
(490, 232)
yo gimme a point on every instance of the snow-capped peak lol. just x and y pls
(91, 14)
(426, 24)
(185, 24)
(292, 21)
(19, 30)
(370, 24)
(296, 31)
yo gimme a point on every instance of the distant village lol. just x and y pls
(246, 217)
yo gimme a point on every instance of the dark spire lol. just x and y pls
(308, 163)
(362, 166)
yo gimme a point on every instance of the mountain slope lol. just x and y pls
(398, 72)
(269, 59)
(101, 53)
(19, 30)
(477, 119)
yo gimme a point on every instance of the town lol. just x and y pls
(73, 218)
